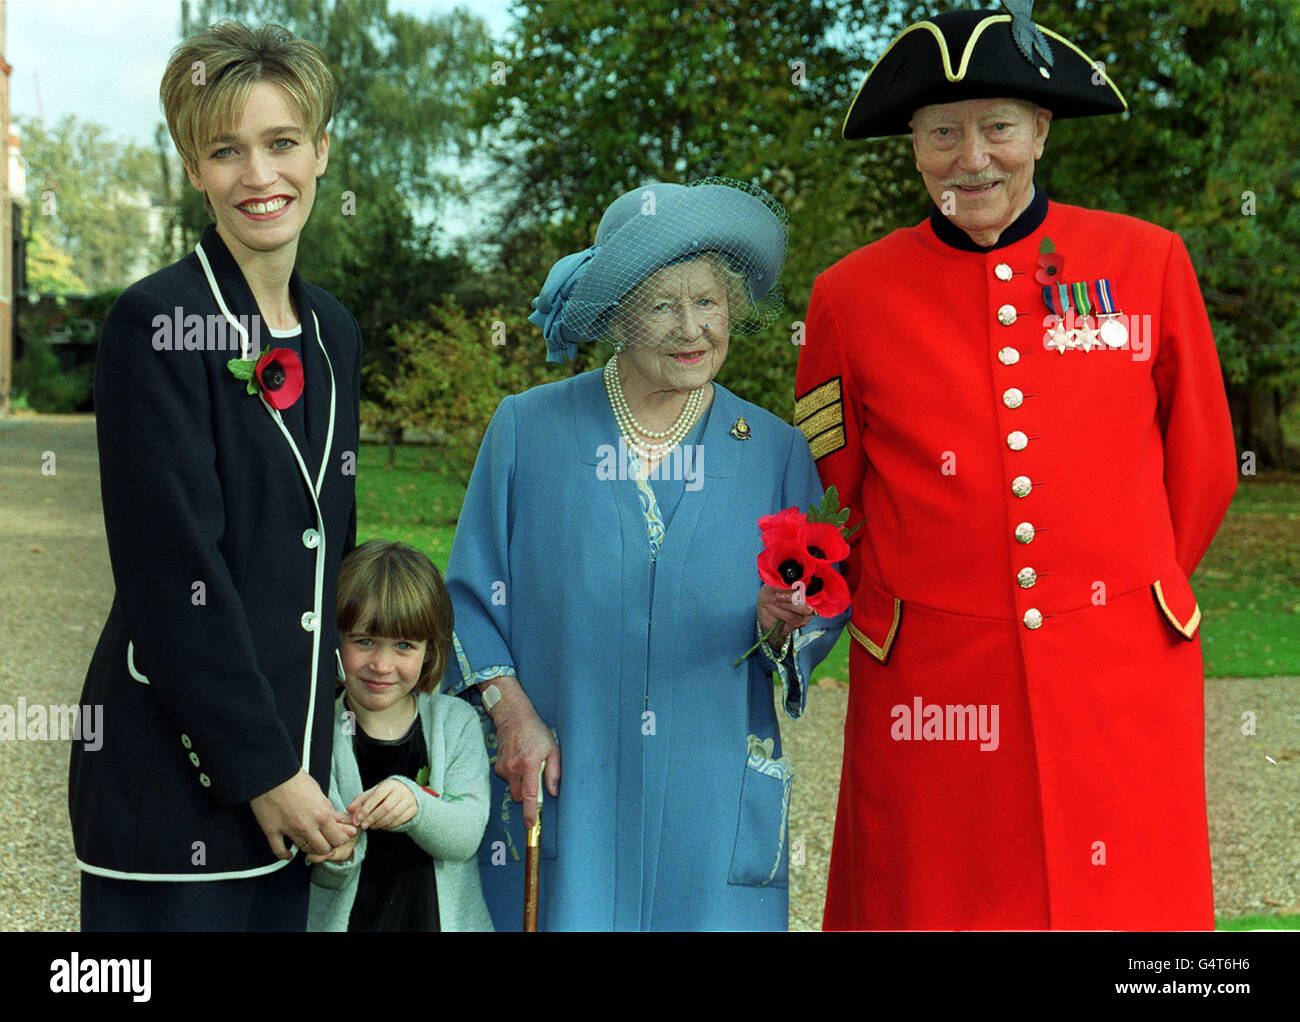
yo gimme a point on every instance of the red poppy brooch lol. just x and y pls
(800, 551)
(276, 376)
(1050, 263)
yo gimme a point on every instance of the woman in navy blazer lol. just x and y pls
(228, 504)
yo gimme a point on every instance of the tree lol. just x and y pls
(90, 197)
(49, 269)
(450, 372)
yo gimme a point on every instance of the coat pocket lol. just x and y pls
(760, 857)
(130, 665)
(1177, 603)
(877, 615)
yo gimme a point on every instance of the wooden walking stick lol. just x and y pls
(533, 861)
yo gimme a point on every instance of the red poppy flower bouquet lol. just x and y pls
(800, 551)
(277, 376)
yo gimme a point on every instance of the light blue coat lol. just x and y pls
(448, 827)
(674, 799)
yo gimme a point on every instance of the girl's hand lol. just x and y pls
(387, 805)
(340, 854)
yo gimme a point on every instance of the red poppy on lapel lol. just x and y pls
(279, 375)
(1050, 264)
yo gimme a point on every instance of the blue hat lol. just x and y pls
(655, 226)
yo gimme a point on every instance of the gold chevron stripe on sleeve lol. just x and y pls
(819, 422)
(817, 399)
(826, 443)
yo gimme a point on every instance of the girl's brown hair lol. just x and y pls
(393, 591)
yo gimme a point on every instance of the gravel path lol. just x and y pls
(56, 589)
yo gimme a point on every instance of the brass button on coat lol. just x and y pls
(1024, 532)
(1027, 577)
(1002, 271)
(1033, 618)
(1021, 485)
(1017, 441)
(1013, 398)
(1007, 315)
(1008, 356)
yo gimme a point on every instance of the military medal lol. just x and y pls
(1057, 336)
(1085, 336)
(1113, 331)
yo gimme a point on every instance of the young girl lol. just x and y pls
(409, 764)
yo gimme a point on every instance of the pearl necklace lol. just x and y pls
(630, 428)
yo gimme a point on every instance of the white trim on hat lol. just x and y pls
(969, 49)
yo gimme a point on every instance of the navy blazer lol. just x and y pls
(226, 522)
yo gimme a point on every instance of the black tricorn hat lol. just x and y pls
(979, 55)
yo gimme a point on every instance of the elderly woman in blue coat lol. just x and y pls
(604, 582)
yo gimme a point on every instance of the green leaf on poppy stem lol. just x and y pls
(422, 776)
(827, 510)
(848, 533)
(1046, 245)
(252, 387)
(242, 368)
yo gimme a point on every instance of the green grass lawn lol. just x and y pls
(413, 502)
(1248, 585)
(1258, 923)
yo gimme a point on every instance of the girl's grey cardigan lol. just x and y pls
(448, 827)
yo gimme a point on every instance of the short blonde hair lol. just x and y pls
(393, 591)
(210, 75)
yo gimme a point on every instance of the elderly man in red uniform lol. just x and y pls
(1023, 401)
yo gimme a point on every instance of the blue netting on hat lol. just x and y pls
(669, 261)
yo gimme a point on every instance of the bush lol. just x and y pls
(40, 380)
(450, 373)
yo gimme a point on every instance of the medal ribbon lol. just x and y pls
(1081, 302)
(1063, 294)
(1105, 299)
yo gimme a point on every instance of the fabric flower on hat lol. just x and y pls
(276, 376)
(548, 306)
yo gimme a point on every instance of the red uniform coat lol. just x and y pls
(975, 452)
